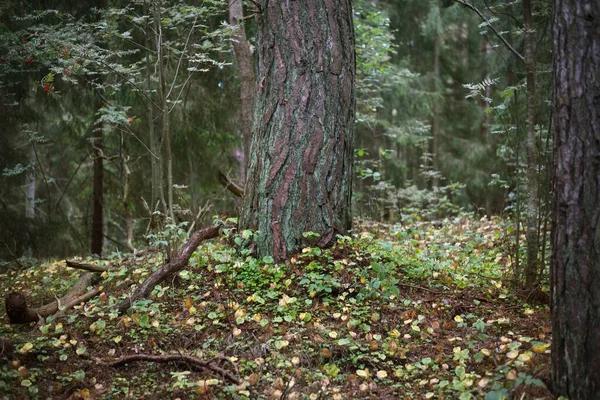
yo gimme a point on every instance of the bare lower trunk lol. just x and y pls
(30, 188)
(531, 234)
(155, 157)
(575, 276)
(97, 193)
(126, 208)
(243, 56)
(165, 146)
(300, 172)
(436, 111)
(166, 128)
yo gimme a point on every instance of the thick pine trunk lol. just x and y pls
(300, 170)
(576, 210)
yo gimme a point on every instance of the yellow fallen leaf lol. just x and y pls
(511, 375)
(364, 373)
(382, 374)
(526, 356)
(540, 348)
(512, 354)
(26, 347)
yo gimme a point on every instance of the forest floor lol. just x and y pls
(410, 311)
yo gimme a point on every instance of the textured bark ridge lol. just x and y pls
(575, 272)
(300, 171)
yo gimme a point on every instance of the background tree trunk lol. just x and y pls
(575, 275)
(30, 186)
(98, 189)
(436, 111)
(300, 172)
(531, 234)
(164, 105)
(245, 64)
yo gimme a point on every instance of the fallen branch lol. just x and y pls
(18, 311)
(193, 361)
(78, 300)
(178, 261)
(229, 185)
(90, 267)
(418, 288)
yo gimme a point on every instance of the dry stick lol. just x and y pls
(196, 362)
(90, 267)
(229, 185)
(418, 288)
(498, 35)
(19, 312)
(78, 300)
(178, 261)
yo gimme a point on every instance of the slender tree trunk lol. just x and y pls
(30, 187)
(154, 145)
(575, 275)
(97, 193)
(166, 133)
(243, 56)
(436, 111)
(300, 171)
(98, 175)
(126, 207)
(531, 234)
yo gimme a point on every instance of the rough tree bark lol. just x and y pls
(575, 275)
(300, 171)
(245, 64)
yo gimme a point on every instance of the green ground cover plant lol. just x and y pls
(411, 311)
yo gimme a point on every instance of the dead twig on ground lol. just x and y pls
(165, 358)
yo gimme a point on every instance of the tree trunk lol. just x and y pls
(300, 171)
(164, 105)
(155, 157)
(126, 207)
(30, 187)
(97, 192)
(98, 174)
(531, 234)
(243, 56)
(436, 111)
(575, 273)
